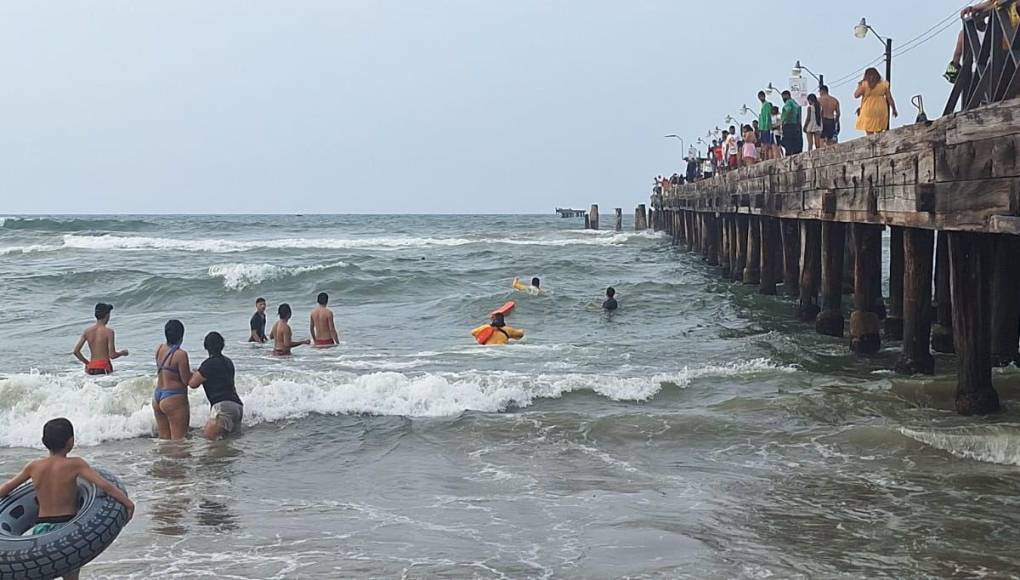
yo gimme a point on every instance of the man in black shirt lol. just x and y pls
(216, 375)
(258, 322)
(610, 304)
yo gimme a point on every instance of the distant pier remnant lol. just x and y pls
(619, 219)
(640, 218)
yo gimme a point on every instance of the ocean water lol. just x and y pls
(699, 432)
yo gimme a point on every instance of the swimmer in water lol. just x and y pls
(281, 333)
(322, 326)
(102, 347)
(610, 304)
(535, 288)
(258, 322)
(55, 481)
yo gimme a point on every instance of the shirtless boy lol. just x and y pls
(55, 479)
(100, 339)
(283, 340)
(323, 327)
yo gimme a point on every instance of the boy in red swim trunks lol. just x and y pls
(102, 348)
(55, 480)
(323, 327)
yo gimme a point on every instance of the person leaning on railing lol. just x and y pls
(978, 12)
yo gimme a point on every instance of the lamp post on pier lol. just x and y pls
(861, 30)
(797, 68)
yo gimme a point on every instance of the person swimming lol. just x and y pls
(496, 332)
(281, 333)
(322, 325)
(101, 340)
(170, 399)
(610, 304)
(534, 288)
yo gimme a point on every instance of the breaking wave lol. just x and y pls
(103, 410)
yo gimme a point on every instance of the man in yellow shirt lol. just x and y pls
(497, 332)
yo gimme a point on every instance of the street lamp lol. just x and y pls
(861, 30)
(681, 139)
(797, 68)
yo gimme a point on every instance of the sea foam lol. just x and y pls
(991, 444)
(242, 276)
(106, 408)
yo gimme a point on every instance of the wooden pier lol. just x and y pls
(949, 192)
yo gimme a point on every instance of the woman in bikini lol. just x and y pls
(173, 370)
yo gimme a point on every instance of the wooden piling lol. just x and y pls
(619, 219)
(1005, 301)
(713, 239)
(791, 257)
(593, 216)
(918, 250)
(734, 242)
(942, 332)
(724, 247)
(752, 267)
(830, 320)
(640, 218)
(771, 252)
(894, 317)
(971, 259)
(848, 262)
(865, 337)
(738, 270)
(810, 270)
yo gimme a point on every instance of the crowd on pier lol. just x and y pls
(787, 130)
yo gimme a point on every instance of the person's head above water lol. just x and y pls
(214, 343)
(174, 332)
(498, 321)
(284, 311)
(58, 435)
(322, 298)
(536, 282)
(103, 311)
(610, 292)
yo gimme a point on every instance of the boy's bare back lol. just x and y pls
(100, 340)
(55, 480)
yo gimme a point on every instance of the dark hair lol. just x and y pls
(761, 94)
(56, 433)
(498, 321)
(322, 298)
(823, 88)
(813, 101)
(610, 292)
(103, 310)
(174, 331)
(775, 110)
(214, 343)
(284, 311)
(536, 282)
(787, 95)
(260, 300)
(872, 77)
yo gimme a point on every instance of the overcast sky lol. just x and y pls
(403, 106)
